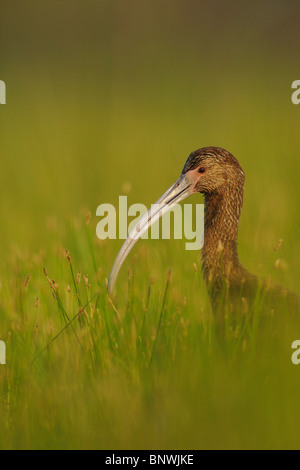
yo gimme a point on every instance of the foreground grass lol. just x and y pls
(143, 371)
(149, 370)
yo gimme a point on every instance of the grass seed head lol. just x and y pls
(278, 244)
(88, 218)
(27, 280)
(68, 256)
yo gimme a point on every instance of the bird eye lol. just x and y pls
(201, 169)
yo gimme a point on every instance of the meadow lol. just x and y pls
(145, 370)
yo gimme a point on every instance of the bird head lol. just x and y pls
(210, 169)
(206, 170)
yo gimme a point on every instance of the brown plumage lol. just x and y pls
(231, 287)
(216, 174)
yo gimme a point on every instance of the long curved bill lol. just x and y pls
(176, 193)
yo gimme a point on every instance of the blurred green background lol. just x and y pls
(102, 93)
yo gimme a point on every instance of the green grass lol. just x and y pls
(144, 372)
(148, 370)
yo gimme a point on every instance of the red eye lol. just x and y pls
(201, 169)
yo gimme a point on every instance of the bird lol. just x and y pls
(218, 176)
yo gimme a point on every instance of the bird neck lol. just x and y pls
(221, 218)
